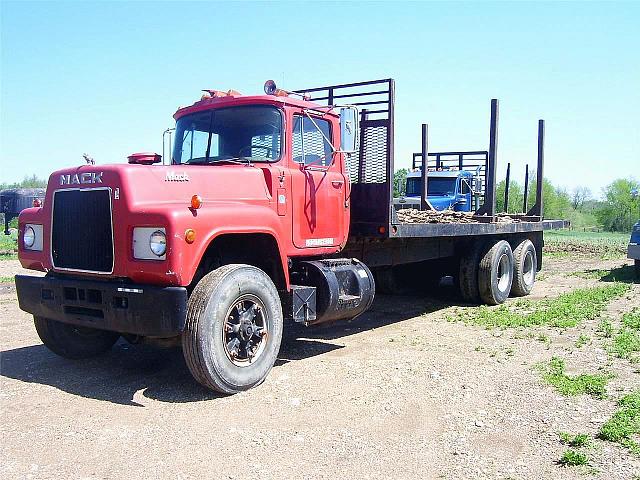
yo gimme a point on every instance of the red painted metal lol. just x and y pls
(296, 206)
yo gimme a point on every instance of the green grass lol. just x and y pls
(580, 440)
(625, 423)
(632, 319)
(7, 279)
(582, 341)
(554, 374)
(605, 245)
(573, 458)
(8, 246)
(565, 311)
(627, 341)
(605, 328)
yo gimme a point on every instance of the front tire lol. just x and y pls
(71, 341)
(233, 329)
(495, 273)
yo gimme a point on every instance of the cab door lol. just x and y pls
(318, 184)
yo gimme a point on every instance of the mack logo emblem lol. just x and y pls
(176, 177)
(81, 178)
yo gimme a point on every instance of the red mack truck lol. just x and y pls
(273, 208)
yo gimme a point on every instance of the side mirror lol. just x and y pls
(348, 129)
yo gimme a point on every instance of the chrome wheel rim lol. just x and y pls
(528, 270)
(245, 330)
(504, 273)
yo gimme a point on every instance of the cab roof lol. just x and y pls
(443, 173)
(232, 100)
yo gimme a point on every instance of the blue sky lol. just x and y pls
(106, 77)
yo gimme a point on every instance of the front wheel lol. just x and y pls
(71, 341)
(233, 328)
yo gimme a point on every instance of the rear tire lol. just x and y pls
(495, 273)
(525, 264)
(233, 329)
(468, 273)
(637, 268)
(71, 341)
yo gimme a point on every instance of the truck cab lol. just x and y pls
(446, 189)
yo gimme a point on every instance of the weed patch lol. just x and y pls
(624, 423)
(627, 341)
(7, 279)
(582, 341)
(566, 310)
(580, 440)
(573, 458)
(605, 328)
(554, 374)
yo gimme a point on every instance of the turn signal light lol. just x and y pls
(189, 235)
(196, 202)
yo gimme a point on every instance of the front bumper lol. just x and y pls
(120, 307)
(633, 251)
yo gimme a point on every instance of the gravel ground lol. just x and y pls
(398, 393)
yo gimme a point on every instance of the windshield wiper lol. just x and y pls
(237, 160)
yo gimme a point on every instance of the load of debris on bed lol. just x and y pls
(411, 215)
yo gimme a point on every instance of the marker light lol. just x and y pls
(196, 202)
(189, 235)
(270, 88)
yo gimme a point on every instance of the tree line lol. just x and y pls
(27, 182)
(617, 211)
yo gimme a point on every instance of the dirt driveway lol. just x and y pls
(399, 393)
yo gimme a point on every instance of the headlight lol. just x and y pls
(29, 236)
(158, 243)
(32, 237)
(149, 243)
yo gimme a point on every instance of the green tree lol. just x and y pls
(399, 182)
(556, 201)
(620, 209)
(27, 182)
(516, 195)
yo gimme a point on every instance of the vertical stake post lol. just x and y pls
(506, 189)
(425, 163)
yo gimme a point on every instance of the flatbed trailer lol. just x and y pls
(377, 237)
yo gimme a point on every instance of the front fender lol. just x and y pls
(212, 221)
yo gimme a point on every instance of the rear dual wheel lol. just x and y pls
(495, 273)
(525, 265)
(490, 273)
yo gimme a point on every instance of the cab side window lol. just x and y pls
(464, 186)
(309, 143)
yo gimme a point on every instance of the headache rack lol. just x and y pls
(371, 167)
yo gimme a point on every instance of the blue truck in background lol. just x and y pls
(446, 190)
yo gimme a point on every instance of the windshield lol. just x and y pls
(237, 133)
(436, 186)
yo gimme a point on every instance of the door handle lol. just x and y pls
(337, 183)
